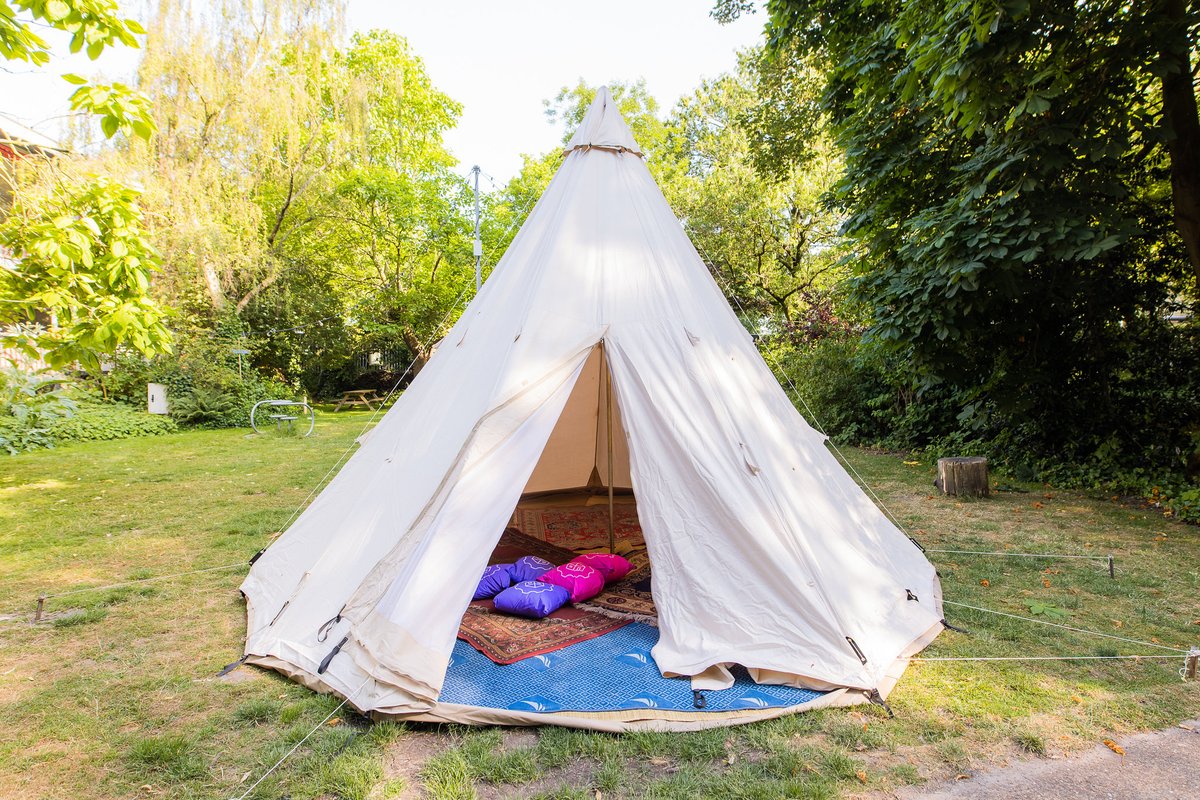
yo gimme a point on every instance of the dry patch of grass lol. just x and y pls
(116, 695)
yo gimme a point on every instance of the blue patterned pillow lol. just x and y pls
(495, 578)
(532, 599)
(529, 568)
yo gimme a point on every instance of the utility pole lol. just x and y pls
(478, 243)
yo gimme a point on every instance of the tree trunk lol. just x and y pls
(1183, 125)
(420, 356)
(212, 282)
(963, 476)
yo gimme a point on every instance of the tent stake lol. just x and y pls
(37, 615)
(1112, 567)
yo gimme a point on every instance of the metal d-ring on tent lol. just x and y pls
(281, 414)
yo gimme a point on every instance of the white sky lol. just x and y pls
(499, 58)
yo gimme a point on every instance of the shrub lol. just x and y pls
(205, 388)
(97, 421)
(30, 405)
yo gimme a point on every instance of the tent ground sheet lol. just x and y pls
(612, 672)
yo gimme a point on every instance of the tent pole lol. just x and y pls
(612, 545)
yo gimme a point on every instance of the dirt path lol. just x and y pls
(1155, 766)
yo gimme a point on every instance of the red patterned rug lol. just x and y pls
(579, 528)
(513, 544)
(505, 639)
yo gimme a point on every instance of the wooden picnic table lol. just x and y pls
(359, 397)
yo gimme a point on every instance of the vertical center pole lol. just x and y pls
(612, 544)
(478, 245)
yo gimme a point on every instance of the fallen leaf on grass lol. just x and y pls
(1037, 504)
(912, 463)
(1116, 748)
(334, 721)
(1118, 623)
(985, 583)
(862, 776)
(659, 761)
(1046, 582)
(1077, 698)
(962, 777)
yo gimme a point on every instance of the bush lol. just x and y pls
(30, 406)
(859, 395)
(1140, 440)
(204, 385)
(95, 422)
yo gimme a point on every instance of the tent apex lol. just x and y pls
(603, 127)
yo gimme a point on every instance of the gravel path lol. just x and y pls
(1155, 766)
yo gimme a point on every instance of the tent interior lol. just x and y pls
(590, 660)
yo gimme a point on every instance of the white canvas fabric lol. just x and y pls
(765, 552)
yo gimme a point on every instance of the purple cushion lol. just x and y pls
(582, 581)
(528, 568)
(495, 578)
(532, 599)
(612, 567)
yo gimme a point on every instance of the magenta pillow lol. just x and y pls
(532, 599)
(528, 568)
(582, 581)
(612, 567)
(495, 578)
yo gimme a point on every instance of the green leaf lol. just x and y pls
(77, 80)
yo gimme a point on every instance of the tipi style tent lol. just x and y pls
(766, 554)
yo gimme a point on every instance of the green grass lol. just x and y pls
(116, 690)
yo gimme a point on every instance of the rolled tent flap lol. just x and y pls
(765, 552)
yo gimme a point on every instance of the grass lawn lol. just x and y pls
(116, 694)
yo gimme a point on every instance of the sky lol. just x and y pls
(499, 58)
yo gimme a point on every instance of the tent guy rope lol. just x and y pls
(296, 746)
(1066, 627)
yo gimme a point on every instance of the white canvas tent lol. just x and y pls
(765, 552)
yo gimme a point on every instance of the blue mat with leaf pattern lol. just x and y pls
(612, 672)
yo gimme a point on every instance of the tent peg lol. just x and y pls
(41, 605)
(877, 698)
(1112, 566)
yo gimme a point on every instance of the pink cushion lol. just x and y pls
(612, 567)
(582, 581)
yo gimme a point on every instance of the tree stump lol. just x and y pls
(963, 476)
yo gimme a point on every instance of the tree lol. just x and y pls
(1007, 182)
(772, 244)
(78, 283)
